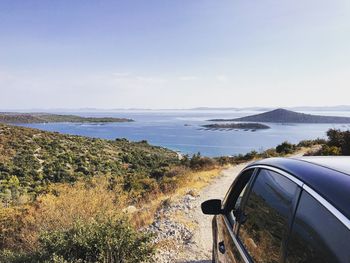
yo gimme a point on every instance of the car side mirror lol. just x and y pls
(211, 207)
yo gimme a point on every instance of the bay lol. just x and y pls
(180, 130)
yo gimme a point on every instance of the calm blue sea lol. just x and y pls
(180, 131)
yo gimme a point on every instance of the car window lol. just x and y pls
(237, 192)
(266, 214)
(239, 199)
(317, 235)
(237, 204)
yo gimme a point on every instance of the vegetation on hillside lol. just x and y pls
(30, 160)
(338, 143)
(53, 186)
(10, 117)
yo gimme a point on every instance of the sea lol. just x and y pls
(181, 131)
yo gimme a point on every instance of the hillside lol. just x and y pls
(91, 194)
(287, 116)
(9, 117)
(30, 160)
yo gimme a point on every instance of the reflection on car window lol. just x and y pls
(237, 204)
(237, 193)
(267, 210)
(317, 235)
(239, 199)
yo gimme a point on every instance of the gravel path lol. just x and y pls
(200, 249)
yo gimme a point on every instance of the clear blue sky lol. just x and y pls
(174, 53)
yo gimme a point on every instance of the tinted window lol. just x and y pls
(267, 211)
(317, 235)
(237, 192)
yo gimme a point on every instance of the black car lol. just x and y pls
(285, 210)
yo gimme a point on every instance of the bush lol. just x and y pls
(110, 241)
(246, 157)
(251, 155)
(329, 150)
(224, 160)
(340, 139)
(198, 162)
(98, 241)
(338, 143)
(177, 171)
(269, 153)
(285, 148)
(169, 184)
(306, 143)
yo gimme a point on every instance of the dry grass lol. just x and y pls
(197, 180)
(20, 227)
(188, 181)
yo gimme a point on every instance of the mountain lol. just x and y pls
(287, 116)
(13, 117)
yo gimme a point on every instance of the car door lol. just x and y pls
(266, 216)
(225, 243)
(317, 235)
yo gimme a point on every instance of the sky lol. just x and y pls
(174, 53)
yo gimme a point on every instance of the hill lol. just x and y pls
(9, 117)
(31, 159)
(287, 116)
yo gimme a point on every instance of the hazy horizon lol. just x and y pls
(253, 108)
(173, 54)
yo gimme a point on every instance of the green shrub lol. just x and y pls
(329, 150)
(340, 139)
(269, 153)
(198, 162)
(306, 143)
(251, 155)
(107, 241)
(286, 148)
(338, 143)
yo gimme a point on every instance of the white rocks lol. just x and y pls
(171, 234)
(130, 209)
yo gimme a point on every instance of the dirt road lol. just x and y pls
(199, 251)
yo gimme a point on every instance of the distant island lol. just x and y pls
(252, 126)
(287, 116)
(11, 117)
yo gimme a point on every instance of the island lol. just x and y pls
(16, 118)
(287, 116)
(242, 126)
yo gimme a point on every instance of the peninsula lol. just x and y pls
(287, 116)
(14, 117)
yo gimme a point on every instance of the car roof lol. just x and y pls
(329, 176)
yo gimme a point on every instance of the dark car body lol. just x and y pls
(285, 210)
